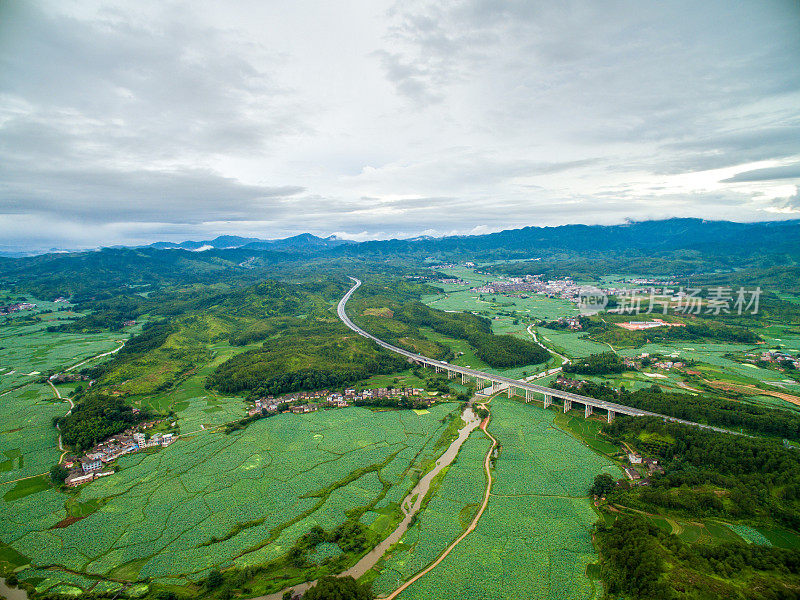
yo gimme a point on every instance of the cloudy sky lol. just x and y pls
(130, 122)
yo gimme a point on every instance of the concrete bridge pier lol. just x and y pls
(610, 416)
(548, 400)
(510, 391)
(438, 368)
(528, 395)
(464, 379)
(587, 411)
(452, 374)
(567, 405)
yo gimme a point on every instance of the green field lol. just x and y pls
(27, 349)
(534, 539)
(25, 353)
(445, 517)
(28, 440)
(571, 343)
(255, 492)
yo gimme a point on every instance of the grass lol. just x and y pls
(588, 431)
(27, 487)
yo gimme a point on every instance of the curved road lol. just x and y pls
(522, 385)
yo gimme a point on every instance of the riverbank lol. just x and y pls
(410, 506)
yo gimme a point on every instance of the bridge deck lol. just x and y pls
(522, 385)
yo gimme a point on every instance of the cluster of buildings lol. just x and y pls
(565, 289)
(634, 473)
(666, 365)
(68, 377)
(652, 282)
(299, 402)
(441, 266)
(776, 357)
(89, 467)
(571, 323)
(451, 281)
(16, 307)
(569, 384)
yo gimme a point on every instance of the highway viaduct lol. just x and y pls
(494, 382)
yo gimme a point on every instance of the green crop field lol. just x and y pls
(28, 350)
(572, 343)
(212, 499)
(447, 514)
(28, 440)
(587, 430)
(534, 539)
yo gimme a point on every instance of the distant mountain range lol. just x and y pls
(699, 235)
(304, 241)
(674, 246)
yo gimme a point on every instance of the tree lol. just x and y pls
(58, 474)
(603, 483)
(338, 588)
(214, 579)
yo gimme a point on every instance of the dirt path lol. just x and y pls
(114, 351)
(24, 478)
(71, 406)
(536, 341)
(683, 385)
(472, 526)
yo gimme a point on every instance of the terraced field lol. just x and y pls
(212, 499)
(534, 540)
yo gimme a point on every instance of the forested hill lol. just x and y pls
(673, 245)
(668, 235)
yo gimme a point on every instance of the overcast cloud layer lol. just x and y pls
(134, 122)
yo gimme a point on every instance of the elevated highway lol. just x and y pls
(499, 382)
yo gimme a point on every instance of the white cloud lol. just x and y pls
(122, 123)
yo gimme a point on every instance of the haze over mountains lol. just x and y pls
(657, 236)
(303, 240)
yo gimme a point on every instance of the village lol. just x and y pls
(134, 439)
(16, 307)
(305, 402)
(94, 462)
(777, 358)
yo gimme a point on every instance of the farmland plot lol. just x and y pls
(445, 517)
(28, 351)
(28, 440)
(534, 539)
(221, 500)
